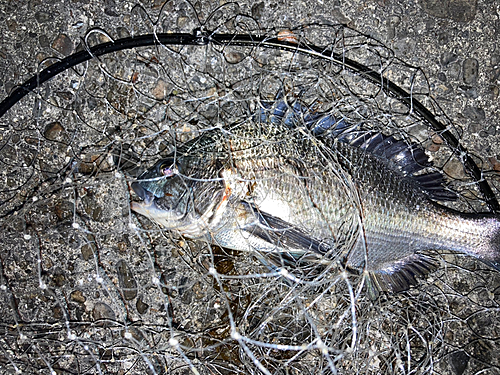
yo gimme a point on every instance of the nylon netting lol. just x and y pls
(88, 287)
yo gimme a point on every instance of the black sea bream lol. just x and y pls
(300, 189)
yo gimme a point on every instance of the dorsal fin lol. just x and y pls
(408, 159)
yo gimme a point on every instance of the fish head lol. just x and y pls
(180, 193)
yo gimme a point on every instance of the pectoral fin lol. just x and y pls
(294, 248)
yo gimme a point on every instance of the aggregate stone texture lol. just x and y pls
(72, 271)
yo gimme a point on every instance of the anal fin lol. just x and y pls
(400, 276)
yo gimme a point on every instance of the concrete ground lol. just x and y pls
(84, 291)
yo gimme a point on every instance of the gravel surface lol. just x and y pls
(88, 287)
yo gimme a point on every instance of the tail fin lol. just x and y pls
(491, 253)
(477, 235)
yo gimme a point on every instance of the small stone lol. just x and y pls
(233, 57)
(495, 164)
(43, 41)
(53, 131)
(58, 278)
(436, 138)
(77, 296)
(458, 362)
(458, 10)
(453, 71)
(63, 44)
(494, 74)
(483, 350)
(441, 76)
(141, 306)
(182, 21)
(122, 32)
(433, 147)
(462, 10)
(454, 169)
(105, 354)
(258, 10)
(122, 247)
(102, 38)
(57, 312)
(64, 210)
(91, 103)
(443, 38)
(48, 264)
(474, 113)
(490, 131)
(11, 25)
(88, 250)
(339, 16)
(470, 92)
(198, 290)
(470, 71)
(133, 333)
(42, 17)
(92, 207)
(126, 280)
(168, 275)
(93, 163)
(494, 91)
(448, 58)
(102, 311)
(161, 89)
(65, 95)
(40, 57)
(8, 86)
(109, 8)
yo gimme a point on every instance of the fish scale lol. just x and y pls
(301, 196)
(333, 203)
(297, 180)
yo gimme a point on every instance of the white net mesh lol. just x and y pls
(89, 287)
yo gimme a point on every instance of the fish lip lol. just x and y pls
(142, 193)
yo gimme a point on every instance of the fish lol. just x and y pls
(303, 189)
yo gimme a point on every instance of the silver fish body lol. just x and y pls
(301, 199)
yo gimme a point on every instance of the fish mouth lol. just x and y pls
(145, 195)
(146, 205)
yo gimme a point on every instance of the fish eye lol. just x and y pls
(167, 169)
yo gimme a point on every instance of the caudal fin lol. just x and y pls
(490, 254)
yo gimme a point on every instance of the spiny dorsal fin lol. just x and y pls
(408, 159)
